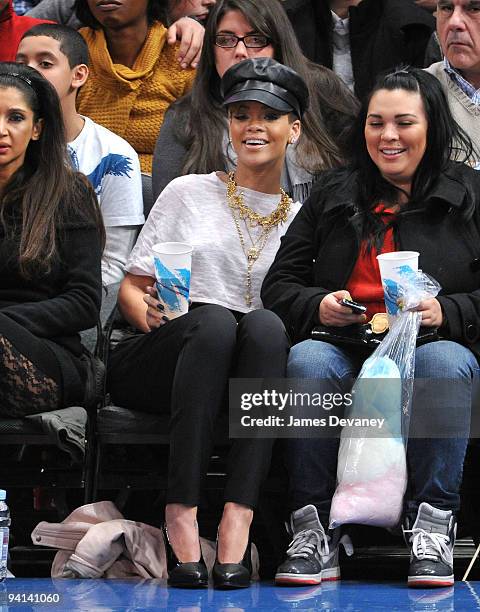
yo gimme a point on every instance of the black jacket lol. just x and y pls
(383, 34)
(321, 246)
(59, 304)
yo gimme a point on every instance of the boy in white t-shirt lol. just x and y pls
(109, 162)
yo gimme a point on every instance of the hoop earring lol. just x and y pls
(231, 153)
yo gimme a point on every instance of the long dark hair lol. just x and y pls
(203, 133)
(44, 191)
(157, 10)
(446, 141)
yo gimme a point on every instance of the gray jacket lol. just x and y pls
(60, 11)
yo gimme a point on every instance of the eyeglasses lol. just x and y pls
(252, 41)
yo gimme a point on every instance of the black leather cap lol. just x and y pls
(264, 80)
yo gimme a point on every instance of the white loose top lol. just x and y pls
(194, 209)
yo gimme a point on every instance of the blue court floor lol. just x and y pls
(21, 594)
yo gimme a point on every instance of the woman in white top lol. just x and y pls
(182, 366)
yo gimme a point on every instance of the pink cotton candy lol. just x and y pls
(375, 502)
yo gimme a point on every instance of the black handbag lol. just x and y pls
(366, 336)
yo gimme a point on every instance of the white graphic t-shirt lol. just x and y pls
(112, 167)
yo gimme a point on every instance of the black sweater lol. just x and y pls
(63, 302)
(320, 248)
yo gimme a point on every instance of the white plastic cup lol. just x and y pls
(173, 265)
(393, 267)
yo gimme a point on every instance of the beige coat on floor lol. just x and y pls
(96, 541)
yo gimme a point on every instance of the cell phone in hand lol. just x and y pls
(355, 307)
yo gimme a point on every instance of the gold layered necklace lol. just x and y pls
(252, 219)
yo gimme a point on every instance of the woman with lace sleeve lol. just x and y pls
(51, 240)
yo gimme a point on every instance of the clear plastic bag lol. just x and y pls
(371, 470)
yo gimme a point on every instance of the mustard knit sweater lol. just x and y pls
(132, 101)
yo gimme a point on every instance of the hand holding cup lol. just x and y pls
(394, 268)
(432, 315)
(155, 314)
(173, 263)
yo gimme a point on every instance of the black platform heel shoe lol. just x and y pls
(190, 575)
(233, 575)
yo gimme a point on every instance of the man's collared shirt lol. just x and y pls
(465, 86)
(342, 59)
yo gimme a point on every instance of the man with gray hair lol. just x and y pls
(458, 28)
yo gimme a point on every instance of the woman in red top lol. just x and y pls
(402, 192)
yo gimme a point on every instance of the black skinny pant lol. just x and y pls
(183, 368)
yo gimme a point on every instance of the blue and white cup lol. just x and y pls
(173, 265)
(394, 268)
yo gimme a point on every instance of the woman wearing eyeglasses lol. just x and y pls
(194, 135)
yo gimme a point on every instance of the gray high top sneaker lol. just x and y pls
(312, 555)
(431, 539)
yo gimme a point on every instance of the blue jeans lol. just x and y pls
(435, 465)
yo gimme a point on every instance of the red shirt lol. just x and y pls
(12, 28)
(364, 284)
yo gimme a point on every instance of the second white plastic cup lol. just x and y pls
(394, 266)
(173, 265)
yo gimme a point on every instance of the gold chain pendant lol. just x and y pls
(236, 201)
(279, 215)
